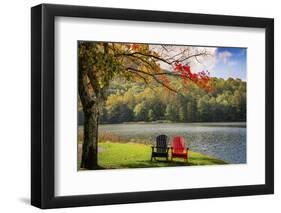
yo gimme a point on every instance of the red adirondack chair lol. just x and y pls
(178, 150)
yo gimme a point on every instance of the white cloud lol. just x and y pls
(199, 63)
(205, 62)
(224, 56)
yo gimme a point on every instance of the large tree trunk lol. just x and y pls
(90, 142)
(91, 118)
(91, 100)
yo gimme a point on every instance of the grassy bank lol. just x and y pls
(133, 155)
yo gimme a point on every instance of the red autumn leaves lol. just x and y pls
(135, 46)
(201, 78)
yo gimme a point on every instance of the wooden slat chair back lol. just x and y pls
(161, 143)
(161, 149)
(178, 149)
(178, 144)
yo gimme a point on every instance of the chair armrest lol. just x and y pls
(159, 147)
(152, 147)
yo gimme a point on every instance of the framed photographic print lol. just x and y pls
(139, 106)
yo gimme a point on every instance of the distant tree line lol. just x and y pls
(129, 102)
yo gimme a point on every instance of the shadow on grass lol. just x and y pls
(155, 163)
(204, 160)
(193, 161)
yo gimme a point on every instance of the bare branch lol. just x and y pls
(154, 77)
(146, 55)
(188, 57)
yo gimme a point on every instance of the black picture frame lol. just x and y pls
(43, 102)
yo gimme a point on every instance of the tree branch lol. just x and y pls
(154, 77)
(146, 55)
(134, 54)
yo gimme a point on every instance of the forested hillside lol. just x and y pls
(136, 102)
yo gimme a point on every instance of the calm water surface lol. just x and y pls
(226, 141)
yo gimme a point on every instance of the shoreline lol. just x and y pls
(114, 155)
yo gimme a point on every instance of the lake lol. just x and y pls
(225, 141)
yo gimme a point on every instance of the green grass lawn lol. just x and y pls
(132, 155)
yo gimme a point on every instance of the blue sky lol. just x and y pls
(230, 62)
(221, 62)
